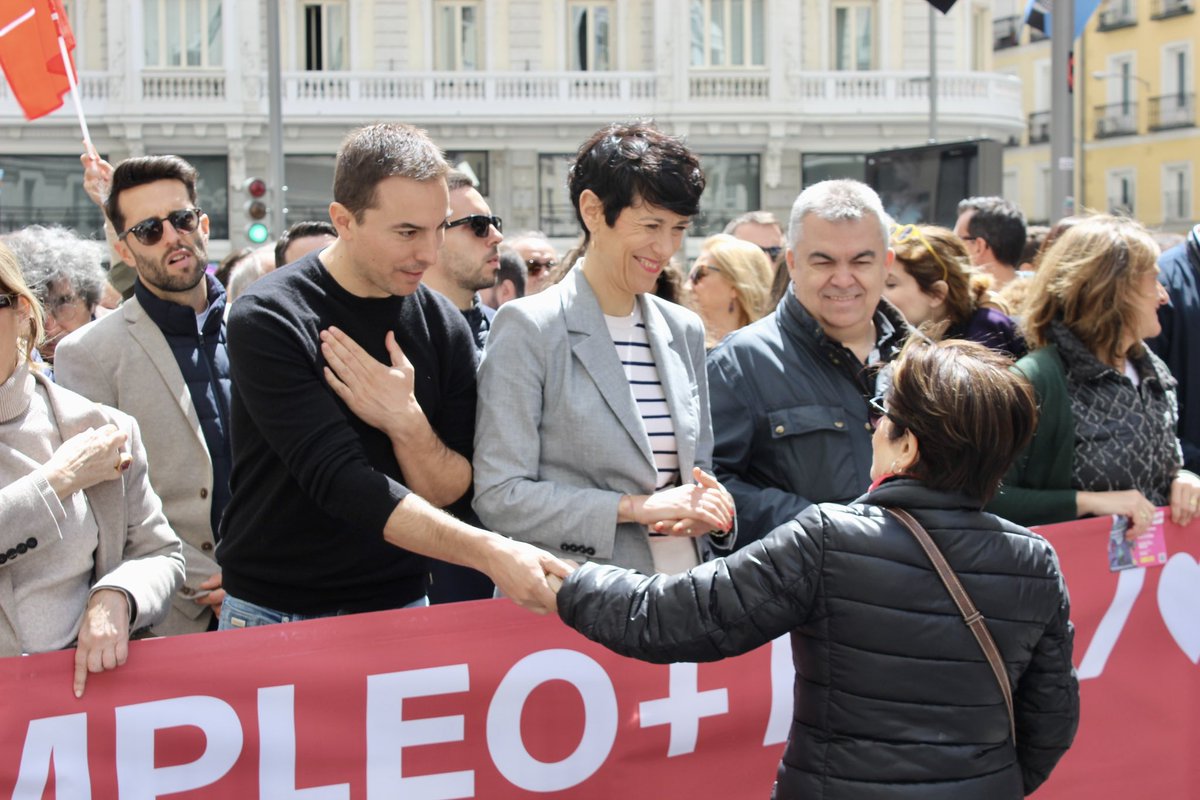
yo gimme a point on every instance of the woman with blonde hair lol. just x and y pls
(730, 285)
(1106, 440)
(932, 286)
(84, 547)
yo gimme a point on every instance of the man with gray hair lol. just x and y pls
(64, 271)
(790, 394)
(354, 404)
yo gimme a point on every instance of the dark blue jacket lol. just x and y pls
(204, 363)
(791, 423)
(1179, 342)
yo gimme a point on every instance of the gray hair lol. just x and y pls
(840, 200)
(752, 217)
(50, 254)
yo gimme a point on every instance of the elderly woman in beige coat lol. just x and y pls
(86, 555)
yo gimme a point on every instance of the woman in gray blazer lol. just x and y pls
(86, 554)
(593, 431)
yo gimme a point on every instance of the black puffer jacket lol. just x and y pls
(894, 698)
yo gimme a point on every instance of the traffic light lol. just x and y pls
(256, 210)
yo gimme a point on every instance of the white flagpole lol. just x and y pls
(66, 59)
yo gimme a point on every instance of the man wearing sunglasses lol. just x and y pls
(161, 358)
(470, 256)
(354, 402)
(541, 260)
(790, 393)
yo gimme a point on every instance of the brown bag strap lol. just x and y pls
(971, 615)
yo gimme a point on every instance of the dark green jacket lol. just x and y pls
(1037, 489)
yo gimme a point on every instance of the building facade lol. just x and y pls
(1137, 140)
(774, 94)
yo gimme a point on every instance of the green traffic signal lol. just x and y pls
(257, 233)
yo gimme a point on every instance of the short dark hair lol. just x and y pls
(999, 223)
(133, 172)
(970, 413)
(313, 227)
(627, 162)
(370, 154)
(512, 268)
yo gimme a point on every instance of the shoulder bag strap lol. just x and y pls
(971, 615)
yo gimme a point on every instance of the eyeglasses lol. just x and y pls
(772, 252)
(879, 411)
(65, 306)
(7, 300)
(536, 267)
(479, 224)
(700, 272)
(902, 233)
(149, 231)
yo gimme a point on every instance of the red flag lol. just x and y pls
(30, 56)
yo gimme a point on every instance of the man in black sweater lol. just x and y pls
(353, 411)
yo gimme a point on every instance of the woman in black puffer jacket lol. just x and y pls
(894, 697)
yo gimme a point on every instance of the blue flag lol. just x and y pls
(1037, 15)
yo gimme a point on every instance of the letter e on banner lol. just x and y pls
(388, 733)
(138, 779)
(508, 750)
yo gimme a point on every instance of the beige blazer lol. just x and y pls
(123, 360)
(135, 548)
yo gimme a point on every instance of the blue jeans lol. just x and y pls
(237, 613)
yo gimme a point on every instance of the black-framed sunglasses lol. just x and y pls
(479, 224)
(7, 300)
(536, 267)
(879, 410)
(149, 231)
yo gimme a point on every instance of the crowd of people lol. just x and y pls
(400, 406)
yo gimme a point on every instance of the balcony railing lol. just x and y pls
(198, 95)
(1116, 119)
(1165, 9)
(1177, 206)
(1006, 32)
(1039, 127)
(1117, 15)
(1172, 111)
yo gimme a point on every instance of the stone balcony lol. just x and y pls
(696, 96)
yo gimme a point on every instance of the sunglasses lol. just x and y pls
(903, 233)
(149, 231)
(479, 224)
(772, 252)
(7, 300)
(538, 267)
(701, 272)
(879, 411)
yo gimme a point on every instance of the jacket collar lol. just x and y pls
(593, 347)
(891, 329)
(909, 493)
(177, 319)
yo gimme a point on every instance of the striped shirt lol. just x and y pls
(671, 553)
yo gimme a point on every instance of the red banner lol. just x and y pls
(486, 700)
